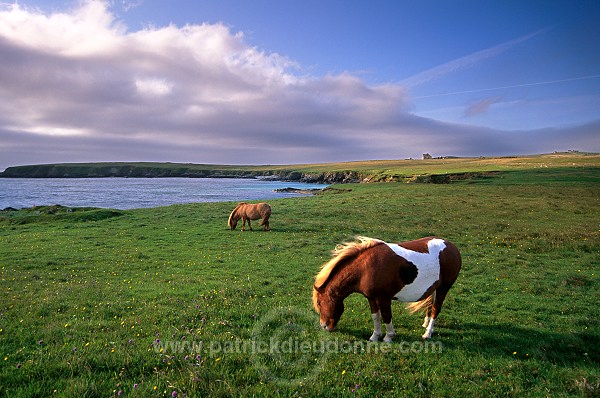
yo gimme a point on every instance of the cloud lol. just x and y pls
(481, 106)
(128, 5)
(465, 62)
(195, 85)
(481, 90)
(79, 86)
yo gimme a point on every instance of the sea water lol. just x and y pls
(130, 193)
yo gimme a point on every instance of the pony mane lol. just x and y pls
(234, 211)
(340, 253)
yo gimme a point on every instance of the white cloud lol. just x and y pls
(153, 87)
(87, 30)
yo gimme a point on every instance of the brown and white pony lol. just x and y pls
(419, 271)
(249, 212)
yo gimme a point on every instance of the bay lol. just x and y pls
(130, 193)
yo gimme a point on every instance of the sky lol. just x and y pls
(286, 82)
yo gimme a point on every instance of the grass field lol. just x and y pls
(169, 302)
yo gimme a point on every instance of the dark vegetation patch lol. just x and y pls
(55, 212)
(453, 177)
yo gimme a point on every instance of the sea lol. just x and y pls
(131, 193)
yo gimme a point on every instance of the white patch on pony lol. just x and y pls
(428, 267)
(429, 330)
(426, 321)
(389, 333)
(376, 326)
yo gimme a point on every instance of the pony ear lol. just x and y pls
(408, 272)
(319, 289)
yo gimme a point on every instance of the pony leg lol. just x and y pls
(249, 225)
(426, 321)
(429, 330)
(376, 327)
(439, 296)
(427, 317)
(390, 333)
(386, 316)
(265, 222)
(376, 316)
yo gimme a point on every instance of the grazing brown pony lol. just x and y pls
(419, 271)
(248, 212)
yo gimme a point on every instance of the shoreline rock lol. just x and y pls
(313, 191)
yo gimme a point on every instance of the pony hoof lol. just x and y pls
(389, 338)
(375, 338)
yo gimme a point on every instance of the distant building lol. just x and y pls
(427, 156)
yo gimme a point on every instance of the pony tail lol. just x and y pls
(421, 305)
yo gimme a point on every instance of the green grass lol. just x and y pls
(89, 297)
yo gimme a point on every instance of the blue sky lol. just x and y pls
(265, 82)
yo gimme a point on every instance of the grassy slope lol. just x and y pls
(453, 165)
(84, 300)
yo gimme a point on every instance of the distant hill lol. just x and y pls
(444, 169)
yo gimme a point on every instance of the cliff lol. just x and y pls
(161, 170)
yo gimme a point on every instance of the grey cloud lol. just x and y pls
(481, 106)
